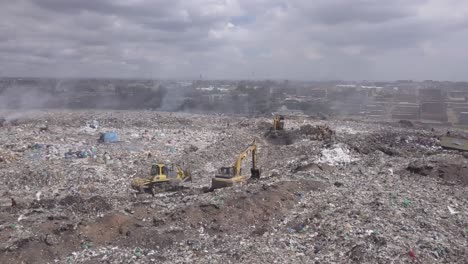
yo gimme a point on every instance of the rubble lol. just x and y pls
(318, 132)
(373, 193)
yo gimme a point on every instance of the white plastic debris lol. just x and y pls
(336, 156)
(38, 195)
(452, 211)
(21, 217)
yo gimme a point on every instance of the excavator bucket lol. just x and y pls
(254, 174)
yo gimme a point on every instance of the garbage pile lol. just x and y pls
(337, 155)
(338, 192)
(318, 132)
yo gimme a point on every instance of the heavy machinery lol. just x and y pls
(277, 135)
(228, 176)
(162, 178)
(278, 122)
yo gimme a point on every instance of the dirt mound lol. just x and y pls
(95, 204)
(449, 172)
(255, 208)
(406, 123)
(279, 137)
(108, 228)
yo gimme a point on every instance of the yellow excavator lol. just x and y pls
(278, 122)
(162, 178)
(228, 176)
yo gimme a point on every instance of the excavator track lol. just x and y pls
(161, 187)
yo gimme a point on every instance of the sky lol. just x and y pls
(235, 39)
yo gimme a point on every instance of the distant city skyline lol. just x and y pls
(235, 39)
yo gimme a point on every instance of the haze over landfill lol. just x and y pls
(233, 131)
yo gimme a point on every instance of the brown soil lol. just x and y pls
(255, 208)
(279, 137)
(452, 173)
(58, 236)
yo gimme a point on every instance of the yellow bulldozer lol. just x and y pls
(278, 122)
(162, 178)
(228, 176)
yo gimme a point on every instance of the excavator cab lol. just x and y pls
(226, 172)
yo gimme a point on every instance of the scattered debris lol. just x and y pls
(452, 211)
(38, 196)
(337, 155)
(412, 255)
(372, 193)
(406, 202)
(93, 124)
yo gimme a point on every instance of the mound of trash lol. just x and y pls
(337, 155)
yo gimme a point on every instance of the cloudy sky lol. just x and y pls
(236, 39)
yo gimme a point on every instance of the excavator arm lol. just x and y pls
(238, 164)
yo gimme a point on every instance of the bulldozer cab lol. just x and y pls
(226, 172)
(163, 170)
(156, 170)
(278, 122)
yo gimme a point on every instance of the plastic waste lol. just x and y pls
(406, 202)
(21, 217)
(412, 255)
(301, 228)
(138, 252)
(87, 244)
(452, 211)
(94, 124)
(109, 137)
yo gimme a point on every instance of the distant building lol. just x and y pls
(463, 118)
(428, 95)
(436, 111)
(406, 111)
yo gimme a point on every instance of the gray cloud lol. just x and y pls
(358, 11)
(300, 39)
